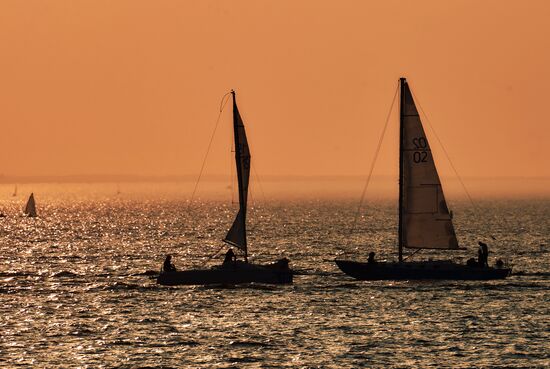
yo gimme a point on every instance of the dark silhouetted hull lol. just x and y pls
(444, 270)
(232, 273)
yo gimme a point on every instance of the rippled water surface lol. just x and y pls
(74, 293)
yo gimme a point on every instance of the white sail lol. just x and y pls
(426, 222)
(237, 233)
(30, 207)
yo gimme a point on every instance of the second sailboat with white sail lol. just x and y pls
(425, 221)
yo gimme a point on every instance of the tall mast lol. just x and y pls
(238, 148)
(402, 82)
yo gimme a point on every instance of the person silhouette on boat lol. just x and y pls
(168, 266)
(483, 254)
(371, 260)
(230, 257)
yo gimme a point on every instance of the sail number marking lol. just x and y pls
(420, 145)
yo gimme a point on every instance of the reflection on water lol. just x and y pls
(74, 289)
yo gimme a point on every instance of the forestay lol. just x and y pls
(426, 222)
(237, 233)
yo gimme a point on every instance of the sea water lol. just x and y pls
(75, 292)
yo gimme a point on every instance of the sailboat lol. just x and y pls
(424, 218)
(236, 271)
(30, 207)
(14, 191)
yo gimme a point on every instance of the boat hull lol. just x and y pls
(442, 270)
(230, 273)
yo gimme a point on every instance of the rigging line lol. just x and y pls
(252, 198)
(411, 255)
(444, 150)
(257, 176)
(251, 228)
(474, 205)
(213, 255)
(223, 102)
(374, 161)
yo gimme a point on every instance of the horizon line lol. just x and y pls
(134, 178)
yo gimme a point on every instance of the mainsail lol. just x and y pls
(425, 219)
(237, 233)
(30, 208)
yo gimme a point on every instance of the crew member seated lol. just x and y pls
(168, 266)
(229, 257)
(371, 260)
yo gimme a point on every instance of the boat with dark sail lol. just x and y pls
(235, 271)
(424, 218)
(30, 207)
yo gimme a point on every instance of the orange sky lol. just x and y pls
(133, 87)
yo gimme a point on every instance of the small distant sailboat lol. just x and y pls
(424, 219)
(30, 207)
(236, 271)
(15, 191)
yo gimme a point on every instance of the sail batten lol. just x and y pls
(425, 219)
(237, 233)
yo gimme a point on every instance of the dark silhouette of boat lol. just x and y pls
(415, 270)
(235, 271)
(30, 207)
(424, 218)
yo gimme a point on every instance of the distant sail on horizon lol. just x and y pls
(30, 207)
(15, 191)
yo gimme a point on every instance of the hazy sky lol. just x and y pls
(134, 87)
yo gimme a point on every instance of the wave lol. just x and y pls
(150, 273)
(315, 272)
(537, 274)
(132, 366)
(250, 344)
(252, 286)
(122, 286)
(65, 274)
(17, 274)
(186, 343)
